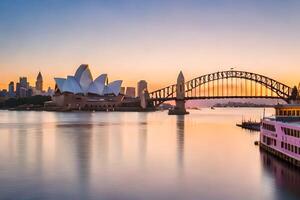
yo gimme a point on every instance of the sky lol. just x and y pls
(151, 40)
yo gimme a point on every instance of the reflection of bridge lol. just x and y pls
(224, 84)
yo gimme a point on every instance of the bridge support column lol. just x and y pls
(180, 97)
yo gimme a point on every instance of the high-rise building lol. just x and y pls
(50, 92)
(18, 89)
(3, 93)
(122, 90)
(39, 82)
(29, 92)
(23, 82)
(23, 92)
(11, 89)
(130, 92)
(22, 87)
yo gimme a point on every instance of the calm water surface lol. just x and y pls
(48, 155)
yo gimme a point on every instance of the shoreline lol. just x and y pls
(116, 109)
(39, 109)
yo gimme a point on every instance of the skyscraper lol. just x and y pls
(11, 89)
(130, 92)
(22, 87)
(23, 82)
(39, 82)
(23, 92)
(18, 89)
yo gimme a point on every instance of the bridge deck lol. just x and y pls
(217, 97)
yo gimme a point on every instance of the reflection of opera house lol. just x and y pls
(81, 92)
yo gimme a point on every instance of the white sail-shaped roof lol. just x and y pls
(97, 87)
(113, 88)
(80, 70)
(72, 86)
(93, 89)
(84, 77)
(60, 83)
(82, 83)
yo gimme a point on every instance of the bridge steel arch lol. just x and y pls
(208, 86)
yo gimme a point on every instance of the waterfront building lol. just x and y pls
(22, 87)
(82, 92)
(280, 134)
(130, 92)
(11, 89)
(23, 82)
(23, 92)
(39, 83)
(83, 83)
(3, 93)
(50, 92)
(122, 91)
(18, 89)
(29, 92)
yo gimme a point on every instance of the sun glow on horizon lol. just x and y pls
(152, 41)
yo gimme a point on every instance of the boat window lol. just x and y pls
(264, 139)
(269, 127)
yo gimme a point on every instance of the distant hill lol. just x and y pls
(234, 102)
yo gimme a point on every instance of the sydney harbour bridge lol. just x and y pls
(223, 85)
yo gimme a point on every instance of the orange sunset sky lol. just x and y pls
(133, 40)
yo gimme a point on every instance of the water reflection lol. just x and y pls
(101, 144)
(78, 133)
(39, 147)
(117, 137)
(286, 176)
(180, 140)
(142, 137)
(22, 148)
(82, 143)
(137, 156)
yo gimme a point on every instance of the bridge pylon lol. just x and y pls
(180, 97)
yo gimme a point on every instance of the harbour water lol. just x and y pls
(118, 155)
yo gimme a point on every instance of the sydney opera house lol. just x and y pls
(81, 92)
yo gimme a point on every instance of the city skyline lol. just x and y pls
(157, 99)
(153, 40)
